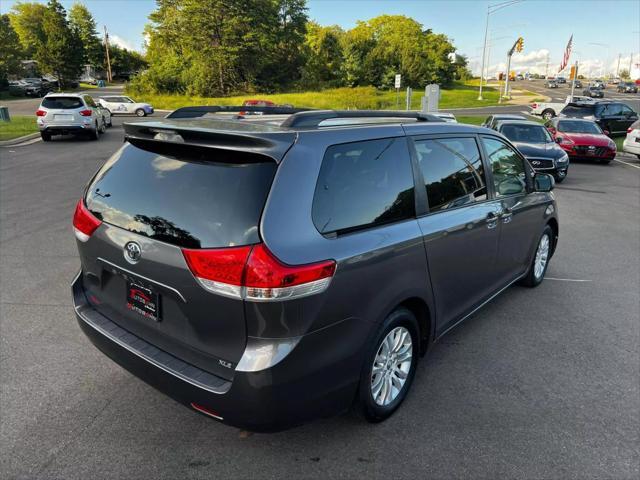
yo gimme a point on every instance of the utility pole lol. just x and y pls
(618, 69)
(546, 69)
(106, 46)
(517, 47)
(630, 64)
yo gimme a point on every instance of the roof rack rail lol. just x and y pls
(315, 117)
(202, 110)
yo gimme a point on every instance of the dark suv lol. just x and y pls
(270, 270)
(612, 117)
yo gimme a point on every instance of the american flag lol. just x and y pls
(567, 54)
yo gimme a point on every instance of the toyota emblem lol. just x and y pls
(132, 252)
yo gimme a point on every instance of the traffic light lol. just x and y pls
(519, 44)
(572, 75)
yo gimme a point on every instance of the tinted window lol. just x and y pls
(507, 167)
(626, 110)
(577, 126)
(364, 184)
(452, 171)
(179, 202)
(613, 109)
(576, 111)
(526, 133)
(62, 102)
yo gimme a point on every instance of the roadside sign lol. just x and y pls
(398, 79)
(572, 75)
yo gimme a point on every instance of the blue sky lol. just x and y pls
(545, 25)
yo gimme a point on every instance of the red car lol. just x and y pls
(582, 139)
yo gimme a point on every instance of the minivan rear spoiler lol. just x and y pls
(189, 142)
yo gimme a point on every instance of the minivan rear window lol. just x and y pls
(62, 103)
(188, 204)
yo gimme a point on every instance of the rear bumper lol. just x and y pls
(312, 381)
(65, 129)
(631, 147)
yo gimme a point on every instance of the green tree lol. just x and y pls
(27, 20)
(213, 47)
(323, 57)
(283, 36)
(82, 21)
(624, 73)
(61, 52)
(380, 48)
(461, 67)
(125, 61)
(10, 50)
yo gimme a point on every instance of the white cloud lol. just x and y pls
(121, 42)
(536, 62)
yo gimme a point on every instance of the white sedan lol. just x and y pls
(125, 105)
(632, 142)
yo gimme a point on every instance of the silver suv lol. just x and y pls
(64, 113)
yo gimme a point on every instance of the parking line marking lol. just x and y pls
(626, 163)
(567, 279)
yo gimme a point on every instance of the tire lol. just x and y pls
(401, 323)
(46, 137)
(531, 279)
(548, 114)
(140, 112)
(559, 179)
(103, 127)
(94, 134)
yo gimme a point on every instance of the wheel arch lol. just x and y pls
(553, 223)
(422, 312)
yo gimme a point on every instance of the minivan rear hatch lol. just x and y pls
(164, 205)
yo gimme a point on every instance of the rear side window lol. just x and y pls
(452, 171)
(364, 184)
(62, 103)
(575, 111)
(188, 204)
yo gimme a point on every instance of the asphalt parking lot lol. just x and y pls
(541, 383)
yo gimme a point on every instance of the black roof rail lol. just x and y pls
(202, 110)
(315, 117)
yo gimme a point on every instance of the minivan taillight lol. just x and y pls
(40, 113)
(85, 113)
(84, 223)
(534, 105)
(254, 273)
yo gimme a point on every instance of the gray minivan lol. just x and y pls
(273, 269)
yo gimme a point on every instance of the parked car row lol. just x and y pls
(534, 142)
(80, 114)
(36, 86)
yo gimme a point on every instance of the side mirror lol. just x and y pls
(606, 132)
(543, 182)
(559, 140)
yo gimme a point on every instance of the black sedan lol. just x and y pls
(536, 144)
(627, 87)
(593, 92)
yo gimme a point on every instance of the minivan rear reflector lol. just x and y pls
(254, 273)
(84, 222)
(205, 410)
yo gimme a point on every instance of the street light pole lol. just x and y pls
(484, 51)
(491, 9)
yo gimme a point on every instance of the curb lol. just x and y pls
(15, 141)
